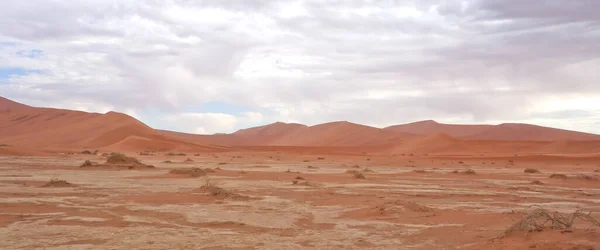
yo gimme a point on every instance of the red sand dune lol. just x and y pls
(432, 127)
(29, 129)
(506, 131)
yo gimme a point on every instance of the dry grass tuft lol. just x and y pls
(531, 171)
(585, 177)
(213, 188)
(359, 176)
(420, 171)
(368, 170)
(558, 176)
(469, 171)
(536, 182)
(87, 163)
(192, 172)
(540, 219)
(189, 160)
(54, 182)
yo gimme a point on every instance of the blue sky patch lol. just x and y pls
(34, 53)
(6, 73)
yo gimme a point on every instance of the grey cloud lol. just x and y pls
(458, 55)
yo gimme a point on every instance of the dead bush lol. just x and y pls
(213, 188)
(470, 171)
(167, 161)
(192, 172)
(540, 219)
(312, 167)
(222, 163)
(87, 163)
(299, 178)
(55, 182)
(368, 170)
(176, 154)
(585, 177)
(420, 171)
(536, 182)
(558, 176)
(188, 160)
(531, 171)
(86, 152)
(359, 176)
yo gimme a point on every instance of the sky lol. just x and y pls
(215, 66)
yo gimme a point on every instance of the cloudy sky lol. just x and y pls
(220, 65)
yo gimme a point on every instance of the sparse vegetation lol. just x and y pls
(192, 172)
(222, 163)
(213, 188)
(541, 219)
(558, 176)
(55, 182)
(4, 145)
(470, 171)
(175, 154)
(585, 177)
(359, 176)
(299, 178)
(531, 171)
(188, 160)
(167, 161)
(87, 163)
(536, 182)
(313, 167)
(321, 158)
(368, 170)
(420, 171)
(86, 152)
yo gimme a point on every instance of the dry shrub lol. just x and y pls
(469, 171)
(192, 172)
(119, 158)
(536, 182)
(222, 163)
(585, 177)
(368, 170)
(167, 161)
(54, 182)
(540, 219)
(359, 176)
(299, 178)
(86, 152)
(321, 158)
(188, 160)
(295, 182)
(531, 171)
(420, 171)
(313, 167)
(356, 166)
(558, 176)
(352, 171)
(87, 163)
(176, 154)
(213, 188)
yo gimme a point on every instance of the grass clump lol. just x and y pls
(470, 171)
(531, 171)
(213, 188)
(540, 219)
(192, 172)
(359, 176)
(87, 163)
(420, 171)
(368, 170)
(558, 176)
(175, 154)
(536, 182)
(55, 182)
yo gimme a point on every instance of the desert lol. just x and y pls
(76, 180)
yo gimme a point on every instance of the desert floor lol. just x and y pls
(279, 200)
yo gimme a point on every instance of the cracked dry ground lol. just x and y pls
(291, 203)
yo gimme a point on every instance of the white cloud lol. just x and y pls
(375, 62)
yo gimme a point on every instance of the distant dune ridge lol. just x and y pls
(28, 130)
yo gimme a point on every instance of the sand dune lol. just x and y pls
(29, 129)
(506, 131)
(432, 127)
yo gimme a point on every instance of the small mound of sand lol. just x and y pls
(118, 161)
(58, 183)
(192, 172)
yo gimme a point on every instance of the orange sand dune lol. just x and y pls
(506, 131)
(431, 128)
(29, 129)
(339, 134)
